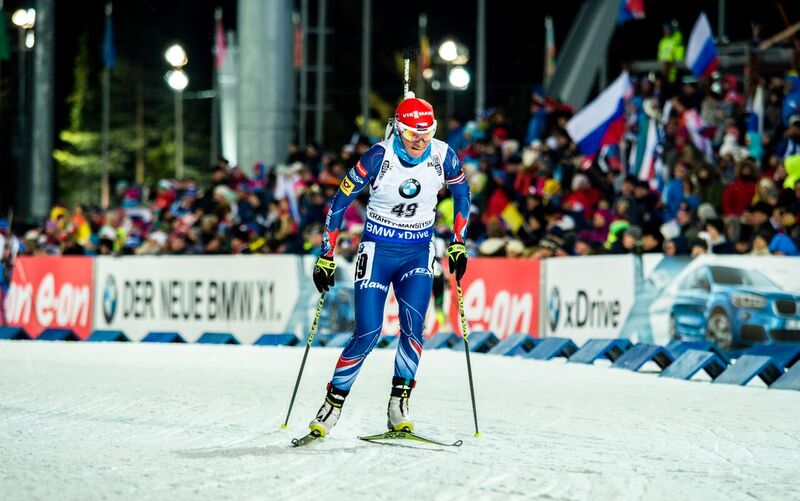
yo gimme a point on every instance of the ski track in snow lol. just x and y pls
(149, 421)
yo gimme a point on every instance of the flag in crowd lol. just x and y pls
(649, 166)
(701, 53)
(220, 49)
(285, 178)
(610, 158)
(424, 52)
(298, 45)
(602, 121)
(109, 52)
(512, 217)
(549, 49)
(630, 10)
(696, 127)
(5, 48)
(756, 107)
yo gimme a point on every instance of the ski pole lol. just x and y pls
(305, 355)
(465, 335)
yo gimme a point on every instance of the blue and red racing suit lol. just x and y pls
(396, 247)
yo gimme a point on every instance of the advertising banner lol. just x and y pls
(244, 295)
(731, 300)
(51, 292)
(500, 295)
(588, 297)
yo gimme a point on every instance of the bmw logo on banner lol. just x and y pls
(554, 308)
(109, 299)
(410, 188)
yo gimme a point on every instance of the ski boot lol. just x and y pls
(398, 411)
(330, 411)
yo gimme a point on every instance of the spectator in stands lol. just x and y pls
(790, 144)
(538, 120)
(652, 240)
(760, 219)
(709, 185)
(671, 50)
(760, 245)
(674, 192)
(699, 247)
(718, 243)
(766, 191)
(739, 194)
(645, 202)
(786, 217)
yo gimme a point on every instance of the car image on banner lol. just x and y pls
(733, 306)
(746, 301)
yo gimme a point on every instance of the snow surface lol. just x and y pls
(147, 421)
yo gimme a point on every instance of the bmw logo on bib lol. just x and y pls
(409, 188)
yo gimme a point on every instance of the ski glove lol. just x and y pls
(324, 270)
(457, 258)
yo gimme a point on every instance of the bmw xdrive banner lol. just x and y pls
(587, 297)
(243, 295)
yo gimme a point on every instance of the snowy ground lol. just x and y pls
(144, 421)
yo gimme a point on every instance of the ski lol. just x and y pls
(407, 435)
(297, 442)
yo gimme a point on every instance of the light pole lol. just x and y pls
(454, 55)
(177, 80)
(24, 20)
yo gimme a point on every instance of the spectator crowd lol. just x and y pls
(724, 179)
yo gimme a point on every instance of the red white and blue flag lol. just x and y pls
(650, 167)
(602, 122)
(630, 10)
(698, 132)
(220, 47)
(701, 53)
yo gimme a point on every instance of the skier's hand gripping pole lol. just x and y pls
(465, 335)
(305, 355)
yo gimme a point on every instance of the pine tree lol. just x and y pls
(79, 157)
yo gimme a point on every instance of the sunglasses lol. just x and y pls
(411, 134)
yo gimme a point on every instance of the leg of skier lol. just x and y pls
(371, 286)
(412, 283)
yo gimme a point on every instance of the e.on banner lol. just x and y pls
(500, 295)
(51, 292)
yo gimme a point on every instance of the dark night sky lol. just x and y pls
(515, 34)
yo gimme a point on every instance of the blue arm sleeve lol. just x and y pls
(358, 178)
(457, 184)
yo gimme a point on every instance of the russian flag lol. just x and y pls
(701, 53)
(602, 122)
(697, 129)
(630, 10)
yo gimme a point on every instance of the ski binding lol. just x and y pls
(297, 442)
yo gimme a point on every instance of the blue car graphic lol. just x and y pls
(733, 307)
